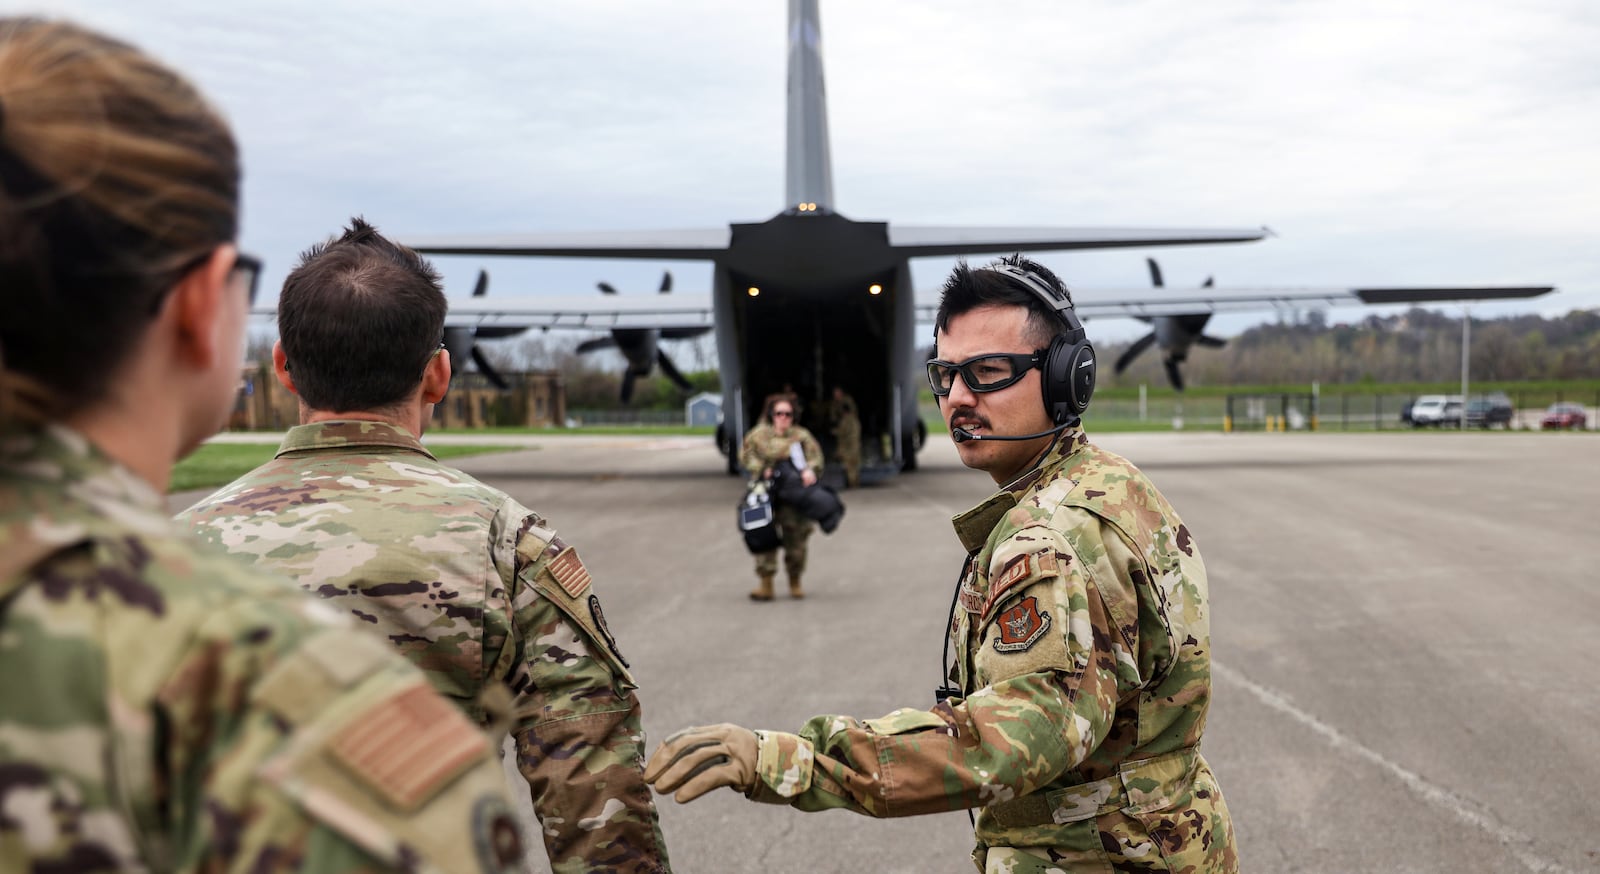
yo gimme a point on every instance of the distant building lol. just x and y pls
(704, 409)
(536, 399)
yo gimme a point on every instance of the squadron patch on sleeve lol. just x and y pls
(495, 836)
(569, 571)
(1021, 626)
(605, 630)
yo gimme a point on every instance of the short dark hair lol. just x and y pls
(970, 288)
(358, 318)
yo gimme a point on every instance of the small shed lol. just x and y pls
(704, 409)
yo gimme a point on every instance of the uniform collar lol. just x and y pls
(66, 491)
(342, 433)
(974, 526)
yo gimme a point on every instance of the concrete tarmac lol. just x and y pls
(1404, 626)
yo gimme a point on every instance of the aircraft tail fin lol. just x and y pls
(810, 162)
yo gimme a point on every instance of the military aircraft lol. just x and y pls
(812, 299)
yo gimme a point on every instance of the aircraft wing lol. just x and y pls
(680, 314)
(671, 245)
(915, 241)
(1174, 301)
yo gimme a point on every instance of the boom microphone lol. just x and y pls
(962, 435)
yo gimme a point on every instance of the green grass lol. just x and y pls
(216, 464)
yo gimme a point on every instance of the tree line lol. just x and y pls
(1417, 346)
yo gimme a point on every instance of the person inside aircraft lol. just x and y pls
(775, 440)
(845, 423)
(164, 707)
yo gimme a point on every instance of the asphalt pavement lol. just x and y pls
(1405, 630)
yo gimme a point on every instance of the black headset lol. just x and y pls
(1067, 372)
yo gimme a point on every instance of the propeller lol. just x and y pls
(640, 346)
(462, 340)
(1173, 334)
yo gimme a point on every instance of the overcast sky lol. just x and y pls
(1383, 141)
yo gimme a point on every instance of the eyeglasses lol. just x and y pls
(982, 373)
(787, 414)
(246, 268)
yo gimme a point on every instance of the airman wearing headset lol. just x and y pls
(1072, 712)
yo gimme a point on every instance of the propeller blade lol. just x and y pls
(459, 342)
(1211, 342)
(666, 281)
(487, 369)
(1138, 346)
(1174, 375)
(606, 288)
(627, 386)
(597, 343)
(671, 370)
(481, 287)
(1155, 272)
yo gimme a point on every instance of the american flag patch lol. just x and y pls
(569, 571)
(410, 746)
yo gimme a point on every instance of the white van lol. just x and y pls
(1436, 410)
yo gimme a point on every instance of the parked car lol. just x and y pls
(1436, 410)
(1488, 411)
(1565, 416)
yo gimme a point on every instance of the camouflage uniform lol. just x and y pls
(163, 708)
(763, 448)
(1083, 655)
(847, 431)
(477, 591)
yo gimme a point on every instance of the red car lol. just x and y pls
(1564, 416)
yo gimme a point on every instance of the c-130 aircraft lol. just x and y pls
(812, 299)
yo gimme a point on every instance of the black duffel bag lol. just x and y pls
(817, 502)
(756, 520)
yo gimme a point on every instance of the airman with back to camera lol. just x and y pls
(473, 587)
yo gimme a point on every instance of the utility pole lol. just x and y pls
(1466, 358)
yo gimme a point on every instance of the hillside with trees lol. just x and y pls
(1418, 346)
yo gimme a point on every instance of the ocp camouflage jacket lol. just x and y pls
(479, 592)
(164, 708)
(1083, 655)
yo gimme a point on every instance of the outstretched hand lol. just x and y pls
(697, 760)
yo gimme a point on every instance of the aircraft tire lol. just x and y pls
(908, 453)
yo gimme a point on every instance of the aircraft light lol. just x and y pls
(874, 288)
(754, 291)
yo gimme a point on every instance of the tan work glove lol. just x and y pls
(697, 760)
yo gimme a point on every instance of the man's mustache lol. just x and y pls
(967, 417)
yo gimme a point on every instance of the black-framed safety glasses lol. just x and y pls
(982, 373)
(246, 269)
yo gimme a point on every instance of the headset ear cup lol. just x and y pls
(1068, 382)
(1054, 384)
(1081, 376)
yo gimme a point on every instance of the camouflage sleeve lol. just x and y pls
(580, 742)
(750, 453)
(1048, 694)
(345, 759)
